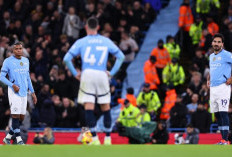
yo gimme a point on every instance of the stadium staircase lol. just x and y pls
(165, 24)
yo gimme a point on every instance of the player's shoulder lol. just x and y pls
(8, 59)
(226, 52)
(25, 59)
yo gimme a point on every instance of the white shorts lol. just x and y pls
(220, 98)
(94, 86)
(18, 104)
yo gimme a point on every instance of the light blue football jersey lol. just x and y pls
(94, 51)
(18, 73)
(220, 67)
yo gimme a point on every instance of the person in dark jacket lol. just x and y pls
(45, 138)
(178, 114)
(201, 119)
(192, 136)
(160, 135)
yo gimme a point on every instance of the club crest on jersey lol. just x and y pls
(214, 58)
(219, 58)
(21, 63)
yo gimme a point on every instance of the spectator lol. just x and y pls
(178, 114)
(46, 138)
(160, 135)
(199, 61)
(72, 25)
(150, 73)
(192, 107)
(162, 57)
(192, 136)
(150, 99)
(195, 84)
(201, 119)
(68, 114)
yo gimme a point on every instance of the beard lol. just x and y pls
(217, 48)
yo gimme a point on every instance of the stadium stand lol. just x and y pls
(47, 35)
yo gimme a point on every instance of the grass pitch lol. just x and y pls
(116, 151)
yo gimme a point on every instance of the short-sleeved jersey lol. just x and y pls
(220, 67)
(94, 51)
(18, 73)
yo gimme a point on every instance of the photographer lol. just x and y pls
(45, 138)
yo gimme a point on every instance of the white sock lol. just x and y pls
(95, 138)
(107, 138)
(8, 136)
(18, 138)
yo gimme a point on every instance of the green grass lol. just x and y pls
(116, 151)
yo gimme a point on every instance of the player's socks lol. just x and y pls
(10, 134)
(219, 122)
(107, 119)
(225, 125)
(15, 126)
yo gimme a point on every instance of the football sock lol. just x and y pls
(90, 120)
(217, 115)
(225, 125)
(107, 119)
(15, 126)
(10, 134)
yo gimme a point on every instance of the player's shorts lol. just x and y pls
(18, 104)
(94, 86)
(220, 98)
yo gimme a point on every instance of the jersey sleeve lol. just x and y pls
(4, 72)
(30, 86)
(229, 57)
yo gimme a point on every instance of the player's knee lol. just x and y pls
(107, 119)
(90, 118)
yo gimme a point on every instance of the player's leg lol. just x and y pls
(105, 108)
(103, 93)
(223, 107)
(90, 121)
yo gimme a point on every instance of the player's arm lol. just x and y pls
(34, 98)
(119, 58)
(208, 80)
(4, 72)
(72, 52)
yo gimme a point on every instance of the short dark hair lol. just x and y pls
(92, 22)
(18, 43)
(219, 35)
(130, 90)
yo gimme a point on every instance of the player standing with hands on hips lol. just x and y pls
(17, 69)
(94, 78)
(220, 80)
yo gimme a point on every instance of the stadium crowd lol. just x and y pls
(175, 88)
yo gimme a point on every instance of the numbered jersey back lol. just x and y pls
(94, 51)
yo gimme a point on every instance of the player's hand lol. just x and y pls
(208, 83)
(34, 98)
(78, 76)
(108, 73)
(229, 81)
(16, 88)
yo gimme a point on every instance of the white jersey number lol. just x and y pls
(91, 59)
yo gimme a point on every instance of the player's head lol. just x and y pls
(218, 42)
(18, 49)
(92, 24)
